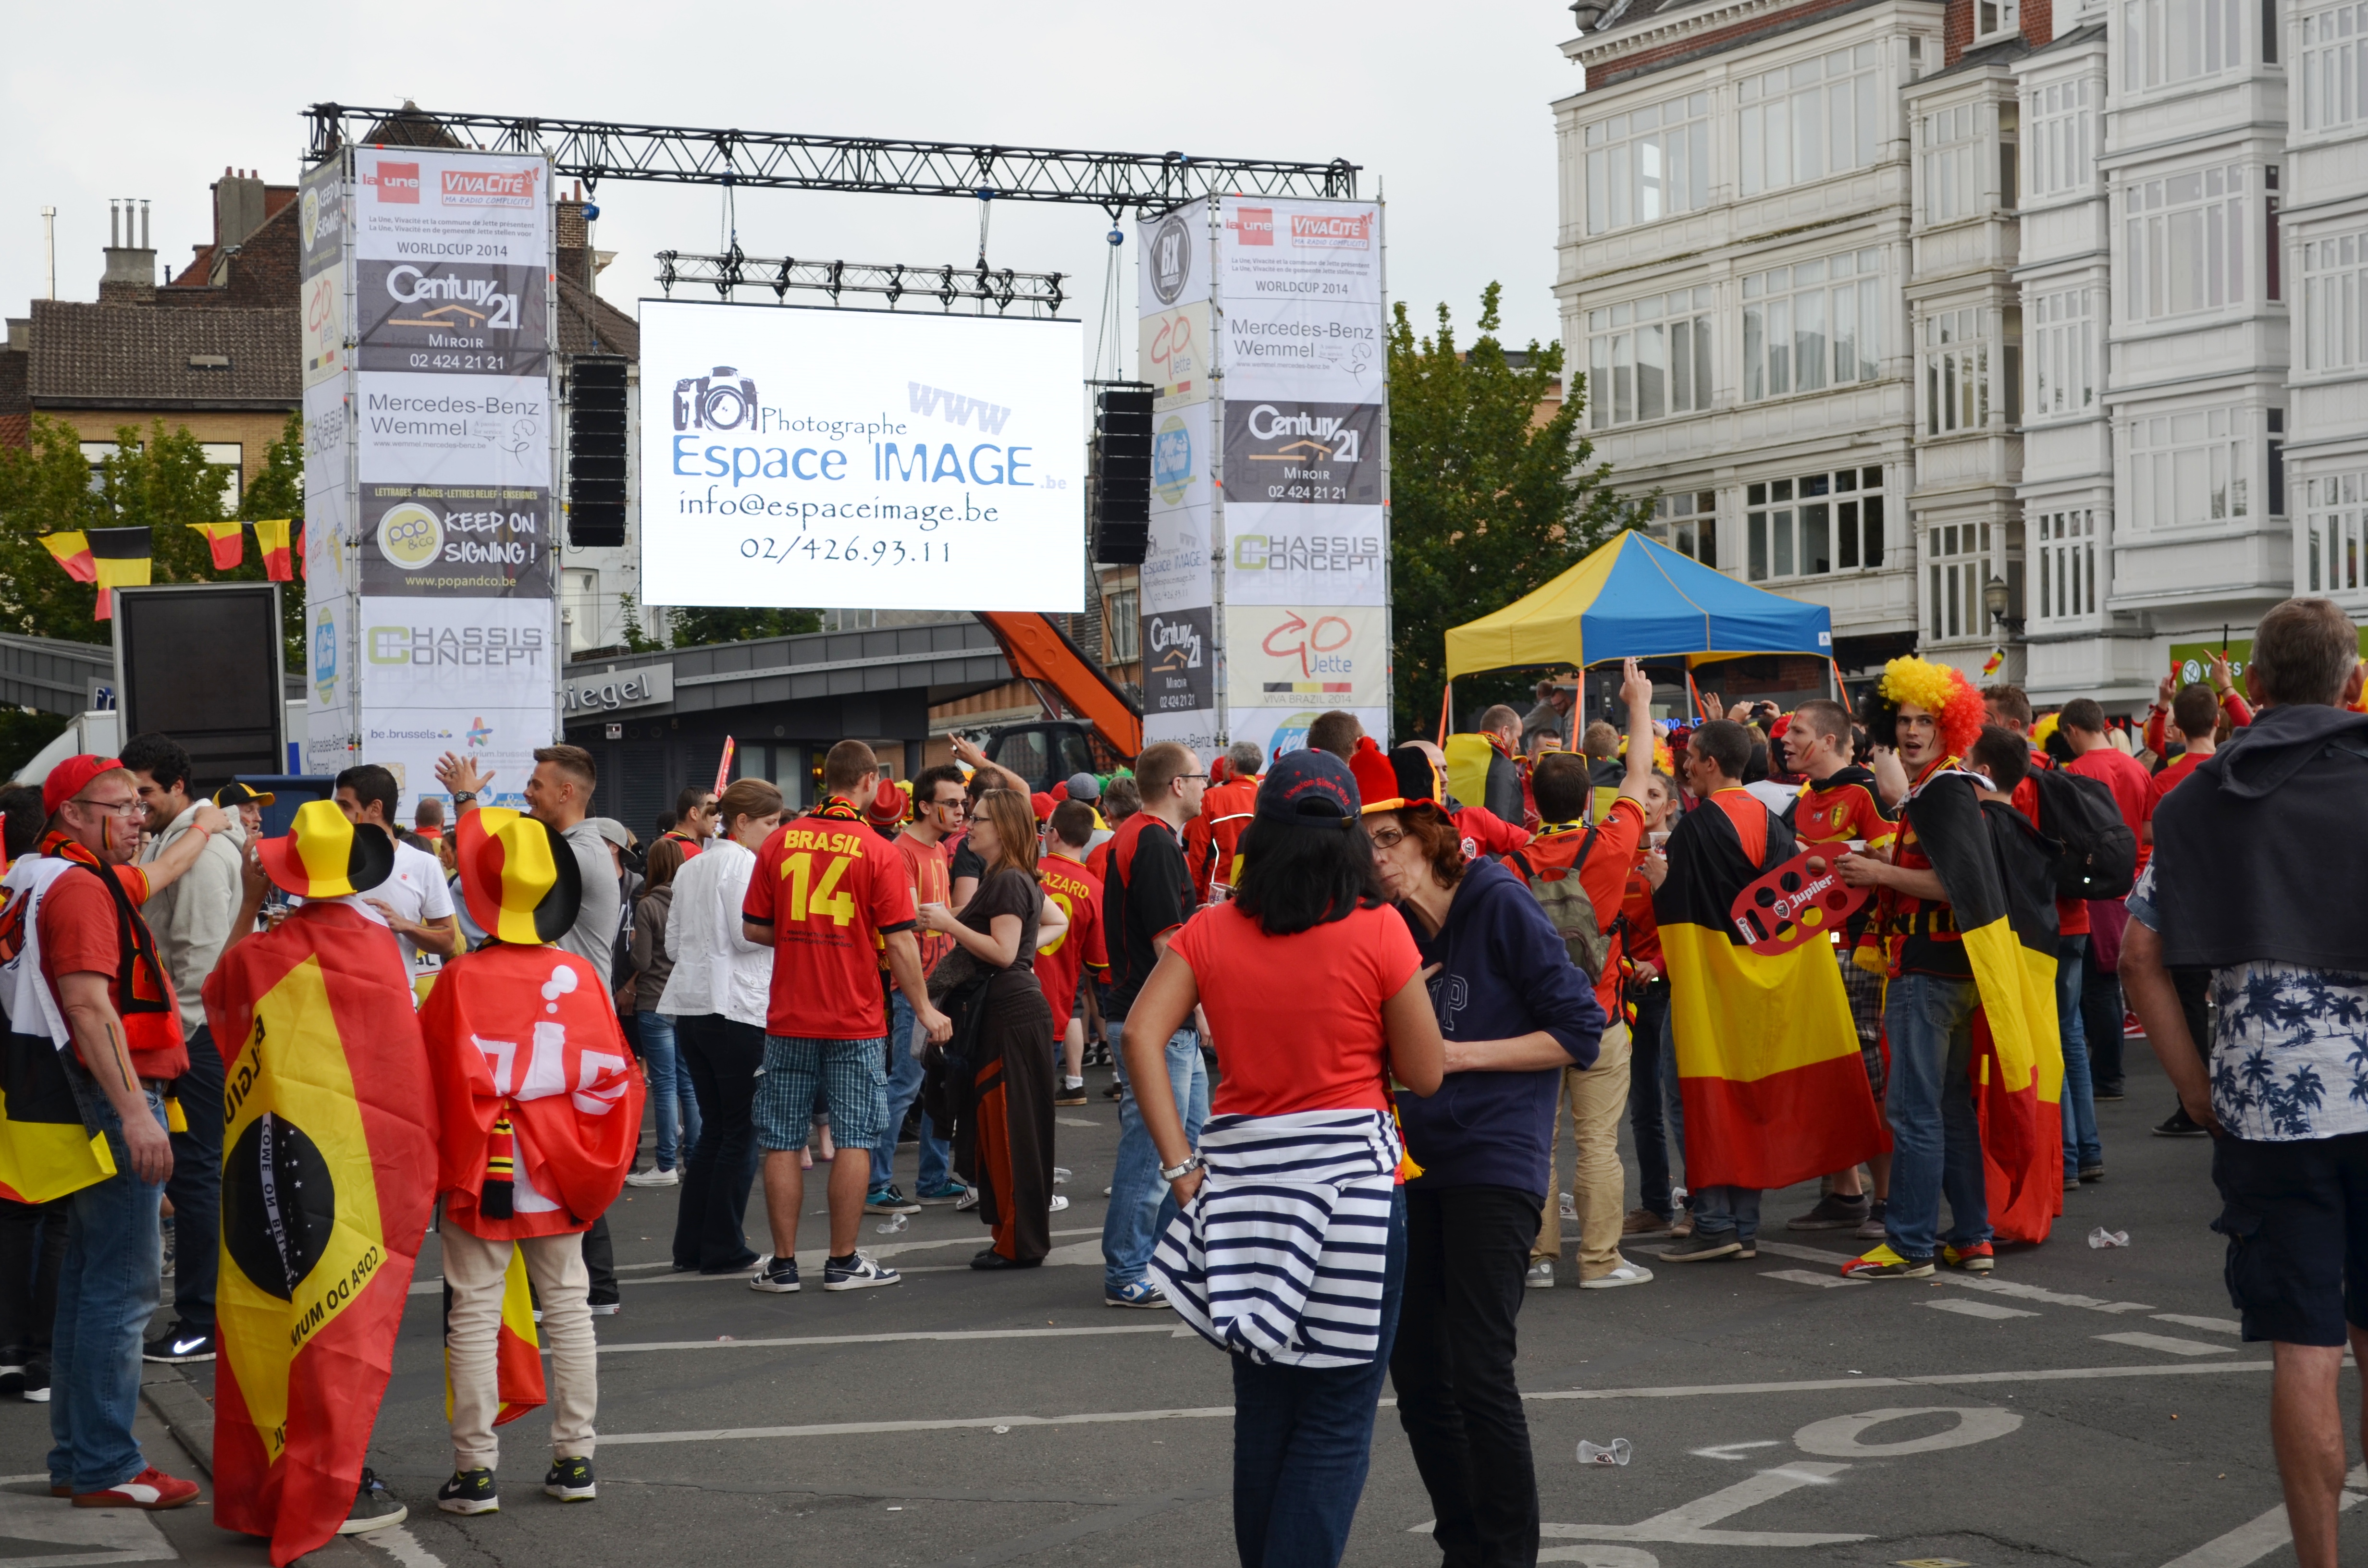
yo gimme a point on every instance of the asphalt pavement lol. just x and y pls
(2078, 1406)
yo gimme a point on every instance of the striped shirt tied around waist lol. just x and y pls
(1284, 1253)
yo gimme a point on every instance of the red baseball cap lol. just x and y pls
(67, 778)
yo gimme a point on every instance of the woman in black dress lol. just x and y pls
(1003, 1139)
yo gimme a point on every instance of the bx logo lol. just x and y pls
(397, 182)
(714, 402)
(1253, 225)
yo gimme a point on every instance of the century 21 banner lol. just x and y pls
(430, 526)
(1262, 331)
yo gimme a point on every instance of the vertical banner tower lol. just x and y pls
(1266, 586)
(429, 530)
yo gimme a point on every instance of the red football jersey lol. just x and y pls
(830, 889)
(1080, 894)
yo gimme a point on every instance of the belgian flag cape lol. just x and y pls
(328, 1176)
(1768, 1058)
(45, 1150)
(1994, 866)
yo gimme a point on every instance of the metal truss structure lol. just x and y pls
(949, 284)
(593, 151)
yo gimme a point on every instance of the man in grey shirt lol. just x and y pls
(559, 792)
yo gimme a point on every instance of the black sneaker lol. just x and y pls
(470, 1491)
(2179, 1124)
(1832, 1213)
(181, 1346)
(12, 1369)
(570, 1480)
(777, 1275)
(375, 1507)
(37, 1381)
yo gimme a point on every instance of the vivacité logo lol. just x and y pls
(1348, 231)
(395, 182)
(489, 188)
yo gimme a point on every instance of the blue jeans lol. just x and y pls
(107, 1289)
(1304, 1439)
(2081, 1145)
(1718, 1209)
(1141, 1204)
(670, 1089)
(904, 1087)
(1936, 1138)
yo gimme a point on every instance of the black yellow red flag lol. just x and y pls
(271, 539)
(45, 1150)
(517, 1348)
(227, 541)
(1994, 867)
(123, 557)
(328, 1176)
(1768, 1060)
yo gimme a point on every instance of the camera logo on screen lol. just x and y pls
(714, 402)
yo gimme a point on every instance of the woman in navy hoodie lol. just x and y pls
(1515, 1012)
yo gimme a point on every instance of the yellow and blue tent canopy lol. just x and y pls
(1634, 599)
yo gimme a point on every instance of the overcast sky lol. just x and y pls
(1445, 107)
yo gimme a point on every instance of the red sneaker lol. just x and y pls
(151, 1489)
(1978, 1258)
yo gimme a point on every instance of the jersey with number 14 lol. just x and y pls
(829, 888)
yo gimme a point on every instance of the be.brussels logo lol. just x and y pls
(396, 183)
(721, 400)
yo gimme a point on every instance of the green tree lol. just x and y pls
(691, 627)
(159, 480)
(1487, 500)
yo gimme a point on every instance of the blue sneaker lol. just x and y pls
(944, 1192)
(861, 1273)
(1139, 1293)
(777, 1275)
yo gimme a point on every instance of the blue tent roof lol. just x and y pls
(1634, 599)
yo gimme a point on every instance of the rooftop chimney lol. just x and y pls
(130, 275)
(238, 207)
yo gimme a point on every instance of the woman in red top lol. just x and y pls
(1306, 921)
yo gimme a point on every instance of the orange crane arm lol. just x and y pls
(1037, 650)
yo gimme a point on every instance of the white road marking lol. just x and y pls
(1808, 1385)
(1689, 1523)
(1076, 1121)
(2166, 1344)
(399, 1544)
(1925, 1380)
(1734, 1451)
(2253, 1539)
(1806, 1254)
(812, 1258)
(875, 1339)
(1838, 1437)
(95, 1536)
(2216, 1325)
(1808, 1277)
(1988, 1282)
(1600, 1556)
(1979, 1310)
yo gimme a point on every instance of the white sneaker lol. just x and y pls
(1059, 1203)
(655, 1177)
(969, 1199)
(1541, 1275)
(1626, 1274)
(1060, 1176)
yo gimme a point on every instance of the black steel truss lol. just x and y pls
(592, 150)
(949, 284)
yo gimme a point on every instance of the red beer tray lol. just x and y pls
(1793, 904)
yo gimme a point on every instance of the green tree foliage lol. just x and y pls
(159, 479)
(1487, 501)
(691, 627)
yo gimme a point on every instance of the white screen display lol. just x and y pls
(861, 459)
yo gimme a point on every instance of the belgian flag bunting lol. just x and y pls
(1768, 1059)
(271, 539)
(123, 557)
(328, 1176)
(1994, 867)
(228, 542)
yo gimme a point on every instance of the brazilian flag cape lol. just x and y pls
(328, 1176)
(1768, 1060)
(1994, 865)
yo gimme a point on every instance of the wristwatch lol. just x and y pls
(460, 795)
(1192, 1162)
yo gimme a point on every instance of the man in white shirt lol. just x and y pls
(416, 903)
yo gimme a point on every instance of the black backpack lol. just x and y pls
(2098, 854)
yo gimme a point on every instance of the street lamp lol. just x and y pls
(1994, 598)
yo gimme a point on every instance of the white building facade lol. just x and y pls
(2029, 288)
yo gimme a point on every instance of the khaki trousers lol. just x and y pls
(476, 1268)
(1597, 1098)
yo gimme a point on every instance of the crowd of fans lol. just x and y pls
(938, 962)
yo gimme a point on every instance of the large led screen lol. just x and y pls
(843, 459)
